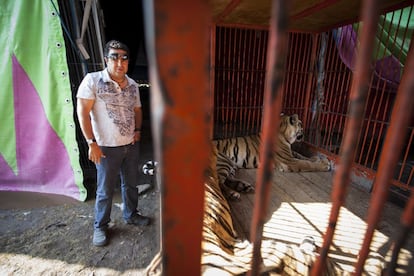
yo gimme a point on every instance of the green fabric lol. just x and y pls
(31, 30)
(393, 35)
(7, 131)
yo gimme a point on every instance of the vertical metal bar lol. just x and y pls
(332, 91)
(382, 119)
(303, 65)
(236, 79)
(261, 78)
(247, 85)
(272, 105)
(230, 91)
(218, 90)
(340, 117)
(337, 91)
(309, 86)
(177, 42)
(290, 69)
(217, 84)
(258, 98)
(294, 72)
(251, 84)
(225, 80)
(212, 73)
(400, 120)
(370, 15)
(288, 75)
(306, 72)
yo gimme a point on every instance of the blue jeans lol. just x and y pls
(119, 162)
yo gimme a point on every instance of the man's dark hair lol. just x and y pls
(115, 44)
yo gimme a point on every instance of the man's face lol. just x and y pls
(117, 62)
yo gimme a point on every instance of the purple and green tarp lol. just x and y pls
(38, 147)
(392, 44)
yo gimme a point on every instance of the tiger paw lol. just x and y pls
(244, 187)
(315, 158)
(326, 164)
(233, 195)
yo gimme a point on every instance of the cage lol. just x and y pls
(226, 69)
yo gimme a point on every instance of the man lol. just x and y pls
(110, 116)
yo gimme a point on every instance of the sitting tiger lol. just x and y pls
(244, 153)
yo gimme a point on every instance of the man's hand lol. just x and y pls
(95, 153)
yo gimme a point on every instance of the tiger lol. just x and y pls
(224, 253)
(243, 152)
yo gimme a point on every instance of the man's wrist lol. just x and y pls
(90, 141)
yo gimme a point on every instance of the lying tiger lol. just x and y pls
(243, 152)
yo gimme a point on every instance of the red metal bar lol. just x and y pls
(400, 120)
(325, 118)
(288, 75)
(303, 65)
(311, 75)
(249, 78)
(356, 112)
(213, 29)
(294, 73)
(252, 82)
(227, 81)
(301, 74)
(236, 91)
(178, 59)
(260, 77)
(332, 91)
(339, 95)
(272, 105)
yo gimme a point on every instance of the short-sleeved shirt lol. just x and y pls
(112, 115)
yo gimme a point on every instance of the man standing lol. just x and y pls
(110, 117)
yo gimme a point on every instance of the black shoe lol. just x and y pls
(139, 220)
(99, 237)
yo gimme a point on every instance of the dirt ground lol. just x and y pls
(57, 240)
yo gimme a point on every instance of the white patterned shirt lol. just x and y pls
(112, 115)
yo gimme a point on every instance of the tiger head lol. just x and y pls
(291, 128)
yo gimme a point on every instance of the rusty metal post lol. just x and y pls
(400, 120)
(177, 42)
(359, 91)
(277, 51)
